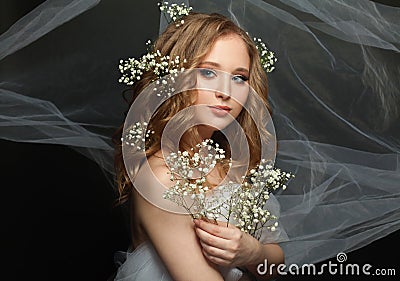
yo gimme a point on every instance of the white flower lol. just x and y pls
(175, 11)
(246, 203)
(137, 135)
(132, 69)
(267, 57)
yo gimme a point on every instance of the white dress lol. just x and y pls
(144, 264)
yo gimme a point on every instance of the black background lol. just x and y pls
(57, 219)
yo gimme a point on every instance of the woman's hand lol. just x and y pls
(227, 246)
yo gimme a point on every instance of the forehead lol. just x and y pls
(229, 50)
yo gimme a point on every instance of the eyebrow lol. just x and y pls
(219, 66)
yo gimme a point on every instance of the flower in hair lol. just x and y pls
(133, 69)
(137, 136)
(175, 12)
(267, 57)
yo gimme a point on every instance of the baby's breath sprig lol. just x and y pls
(175, 12)
(267, 57)
(245, 205)
(137, 136)
(188, 171)
(250, 212)
(133, 69)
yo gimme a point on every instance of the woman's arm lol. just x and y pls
(173, 236)
(228, 246)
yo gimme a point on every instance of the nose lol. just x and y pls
(224, 87)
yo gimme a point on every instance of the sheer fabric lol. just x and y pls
(144, 264)
(334, 94)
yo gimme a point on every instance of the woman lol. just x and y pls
(193, 250)
(334, 96)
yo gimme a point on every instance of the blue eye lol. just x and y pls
(240, 79)
(208, 73)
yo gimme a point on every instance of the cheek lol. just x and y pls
(243, 99)
(240, 101)
(237, 108)
(202, 97)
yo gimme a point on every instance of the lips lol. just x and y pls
(222, 107)
(220, 110)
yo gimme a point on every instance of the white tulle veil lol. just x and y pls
(335, 98)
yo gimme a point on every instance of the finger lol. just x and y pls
(216, 230)
(216, 252)
(225, 224)
(215, 260)
(211, 240)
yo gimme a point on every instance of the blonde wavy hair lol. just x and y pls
(192, 41)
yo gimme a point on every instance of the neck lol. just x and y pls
(205, 131)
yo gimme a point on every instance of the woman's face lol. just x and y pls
(225, 70)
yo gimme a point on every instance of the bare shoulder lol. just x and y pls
(159, 168)
(172, 234)
(152, 179)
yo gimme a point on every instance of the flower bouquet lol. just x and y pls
(244, 204)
